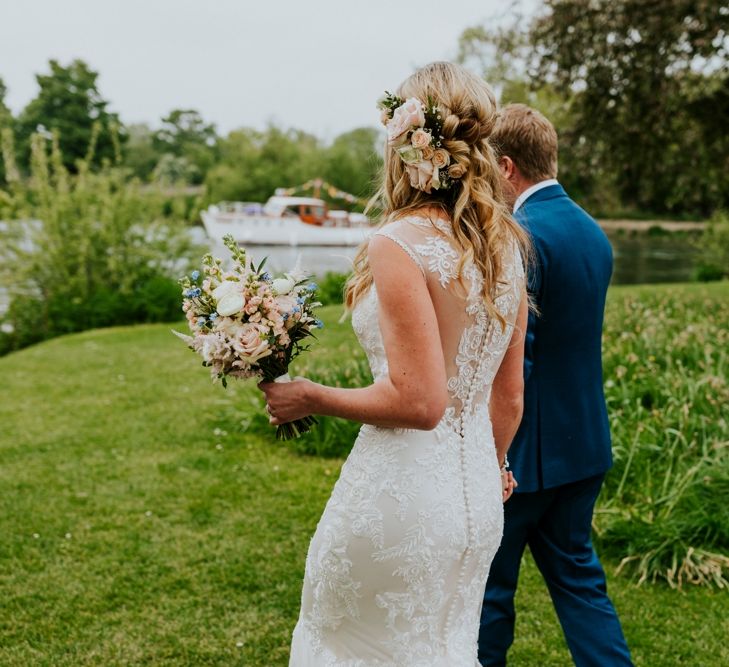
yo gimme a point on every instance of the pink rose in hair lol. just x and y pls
(407, 116)
(441, 158)
(420, 139)
(422, 175)
(456, 170)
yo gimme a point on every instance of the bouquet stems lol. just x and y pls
(294, 429)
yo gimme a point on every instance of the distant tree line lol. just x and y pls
(184, 149)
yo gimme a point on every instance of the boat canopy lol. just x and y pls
(277, 205)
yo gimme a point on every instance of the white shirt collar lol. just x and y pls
(531, 190)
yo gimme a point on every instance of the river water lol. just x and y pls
(639, 258)
(642, 258)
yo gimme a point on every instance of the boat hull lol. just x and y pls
(262, 230)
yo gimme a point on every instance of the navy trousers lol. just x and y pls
(556, 524)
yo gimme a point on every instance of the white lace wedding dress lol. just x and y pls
(396, 570)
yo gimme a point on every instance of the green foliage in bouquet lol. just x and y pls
(83, 250)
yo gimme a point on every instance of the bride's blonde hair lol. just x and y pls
(482, 223)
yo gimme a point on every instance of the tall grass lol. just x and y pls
(664, 511)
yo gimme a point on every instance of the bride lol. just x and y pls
(397, 567)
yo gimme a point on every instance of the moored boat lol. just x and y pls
(285, 220)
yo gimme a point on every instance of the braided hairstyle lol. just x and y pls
(482, 223)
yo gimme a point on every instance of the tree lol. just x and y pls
(140, 154)
(6, 121)
(638, 91)
(353, 161)
(503, 53)
(70, 104)
(185, 134)
(253, 163)
(649, 80)
(173, 170)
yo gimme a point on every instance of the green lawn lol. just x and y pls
(141, 523)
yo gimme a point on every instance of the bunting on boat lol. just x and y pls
(317, 186)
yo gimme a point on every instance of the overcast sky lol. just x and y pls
(318, 65)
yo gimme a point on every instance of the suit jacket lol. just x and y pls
(564, 435)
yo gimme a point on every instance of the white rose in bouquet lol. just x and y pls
(285, 304)
(282, 285)
(229, 298)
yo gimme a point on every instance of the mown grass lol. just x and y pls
(144, 522)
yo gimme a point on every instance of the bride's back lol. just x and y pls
(473, 342)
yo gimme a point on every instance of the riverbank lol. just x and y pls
(609, 224)
(144, 522)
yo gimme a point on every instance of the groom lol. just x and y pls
(562, 450)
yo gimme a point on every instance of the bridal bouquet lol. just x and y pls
(245, 323)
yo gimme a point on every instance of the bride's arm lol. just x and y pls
(507, 394)
(414, 394)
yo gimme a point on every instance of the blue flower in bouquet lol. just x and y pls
(266, 276)
(318, 324)
(195, 275)
(200, 321)
(296, 309)
(311, 287)
(212, 317)
(193, 292)
(300, 300)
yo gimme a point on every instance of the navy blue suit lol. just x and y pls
(561, 451)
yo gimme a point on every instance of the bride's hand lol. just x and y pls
(288, 401)
(508, 484)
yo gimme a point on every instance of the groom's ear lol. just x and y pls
(506, 164)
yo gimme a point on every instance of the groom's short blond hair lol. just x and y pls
(529, 139)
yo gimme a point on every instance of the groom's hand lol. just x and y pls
(508, 484)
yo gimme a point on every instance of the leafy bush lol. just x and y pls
(664, 508)
(331, 288)
(84, 250)
(713, 247)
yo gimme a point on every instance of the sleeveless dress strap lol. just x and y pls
(411, 253)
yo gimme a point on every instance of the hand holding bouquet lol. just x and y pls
(245, 323)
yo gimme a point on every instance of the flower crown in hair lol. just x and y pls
(414, 132)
